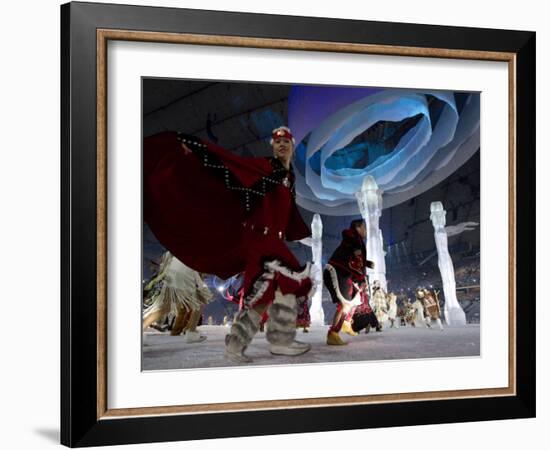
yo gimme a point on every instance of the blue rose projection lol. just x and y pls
(407, 140)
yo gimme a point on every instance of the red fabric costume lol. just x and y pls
(304, 318)
(344, 276)
(222, 214)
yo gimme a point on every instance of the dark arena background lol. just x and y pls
(240, 117)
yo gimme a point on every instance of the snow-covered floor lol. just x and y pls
(162, 351)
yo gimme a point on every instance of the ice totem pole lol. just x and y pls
(454, 315)
(316, 311)
(369, 200)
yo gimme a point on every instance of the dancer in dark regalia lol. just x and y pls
(345, 278)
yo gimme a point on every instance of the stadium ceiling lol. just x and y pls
(243, 124)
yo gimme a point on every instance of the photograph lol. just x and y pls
(278, 224)
(275, 225)
(304, 224)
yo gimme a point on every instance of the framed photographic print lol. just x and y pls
(278, 224)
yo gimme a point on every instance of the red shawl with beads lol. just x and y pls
(196, 203)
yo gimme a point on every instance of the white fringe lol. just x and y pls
(276, 266)
(262, 283)
(335, 285)
(258, 288)
(173, 299)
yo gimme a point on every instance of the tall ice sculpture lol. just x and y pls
(316, 311)
(454, 315)
(369, 200)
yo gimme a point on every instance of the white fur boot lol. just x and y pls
(281, 326)
(242, 331)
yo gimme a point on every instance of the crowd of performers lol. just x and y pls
(254, 213)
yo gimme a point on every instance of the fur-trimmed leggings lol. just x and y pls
(281, 324)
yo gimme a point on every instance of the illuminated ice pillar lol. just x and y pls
(454, 315)
(316, 311)
(369, 200)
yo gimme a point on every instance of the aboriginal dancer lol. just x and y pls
(345, 278)
(223, 214)
(181, 292)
